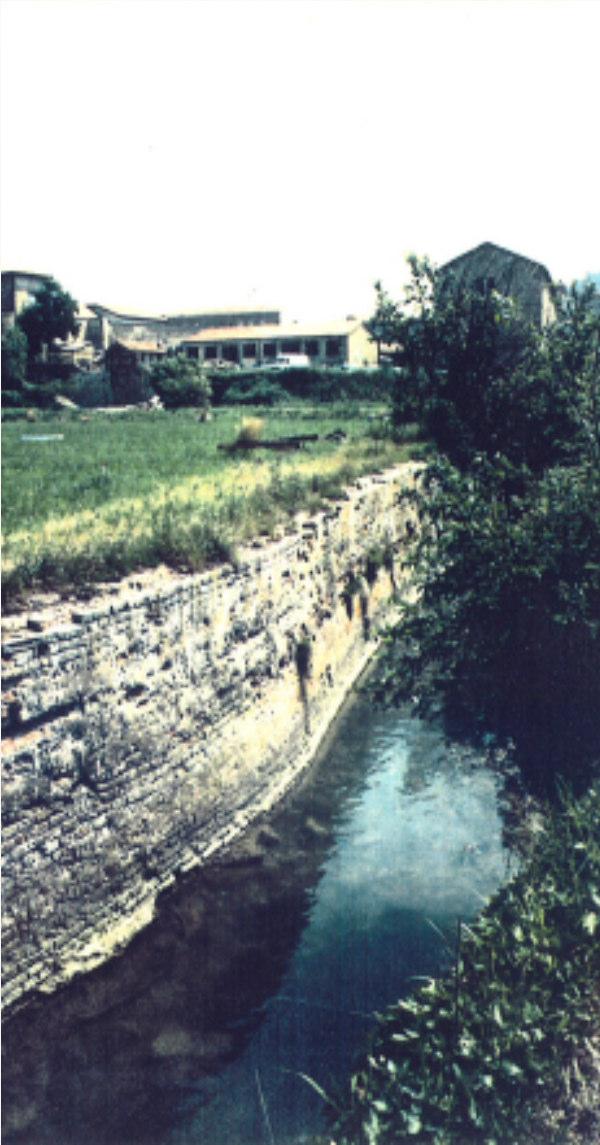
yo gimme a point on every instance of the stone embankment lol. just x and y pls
(142, 732)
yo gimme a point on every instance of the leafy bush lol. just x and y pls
(315, 385)
(179, 383)
(14, 364)
(257, 390)
(90, 389)
(470, 1059)
(505, 628)
(129, 381)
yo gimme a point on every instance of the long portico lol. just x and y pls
(335, 344)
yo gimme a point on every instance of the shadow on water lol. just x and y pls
(270, 962)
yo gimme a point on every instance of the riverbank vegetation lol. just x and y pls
(88, 499)
(506, 1049)
(503, 640)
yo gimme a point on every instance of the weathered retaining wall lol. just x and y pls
(144, 731)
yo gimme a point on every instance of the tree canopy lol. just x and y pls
(480, 378)
(505, 633)
(51, 316)
(178, 381)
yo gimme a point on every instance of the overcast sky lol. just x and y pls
(172, 155)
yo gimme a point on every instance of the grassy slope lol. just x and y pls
(130, 491)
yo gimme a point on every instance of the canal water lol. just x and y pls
(270, 964)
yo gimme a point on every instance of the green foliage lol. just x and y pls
(505, 631)
(479, 377)
(14, 365)
(90, 389)
(315, 385)
(256, 390)
(572, 352)
(129, 382)
(469, 1059)
(179, 382)
(51, 316)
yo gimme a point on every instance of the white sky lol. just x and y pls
(174, 155)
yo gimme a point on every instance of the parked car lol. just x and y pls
(288, 362)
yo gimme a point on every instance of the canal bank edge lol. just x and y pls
(145, 731)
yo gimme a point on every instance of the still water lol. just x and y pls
(272, 963)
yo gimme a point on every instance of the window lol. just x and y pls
(249, 350)
(210, 353)
(312, 347)
(269, 351)
(333, 348)
(231, 352)
(291, 346)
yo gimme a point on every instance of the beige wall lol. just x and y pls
(362, 351)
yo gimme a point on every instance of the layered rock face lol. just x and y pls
(144, 731)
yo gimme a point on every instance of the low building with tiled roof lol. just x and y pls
(338, 343)
(145, 352)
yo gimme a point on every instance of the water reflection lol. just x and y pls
(271, 963)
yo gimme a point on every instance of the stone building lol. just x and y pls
(341, 343)
(170, 330)
(527, 282)
(19, 289)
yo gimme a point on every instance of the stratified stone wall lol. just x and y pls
(144, 731)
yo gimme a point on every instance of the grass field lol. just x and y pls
(123, 492)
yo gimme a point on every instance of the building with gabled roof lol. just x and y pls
(513, 275)
(173, 328)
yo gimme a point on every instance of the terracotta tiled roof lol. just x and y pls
(142, 347)
(268, 333)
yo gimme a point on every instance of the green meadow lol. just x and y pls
(86, 499)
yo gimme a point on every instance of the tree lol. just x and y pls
(474, 372)
(505, 631)
(178, 381)
(130, 382)
(51, 316)
(573, 358)
(14, 365)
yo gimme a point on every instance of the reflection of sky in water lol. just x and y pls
(436, 848)
(421, 841)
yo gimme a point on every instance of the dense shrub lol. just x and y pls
(505, 630)
(90, 389)
(470, 1059)
(14, 364)
(129, 381)
(256, 390)
(180, 382)
(315, 385)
